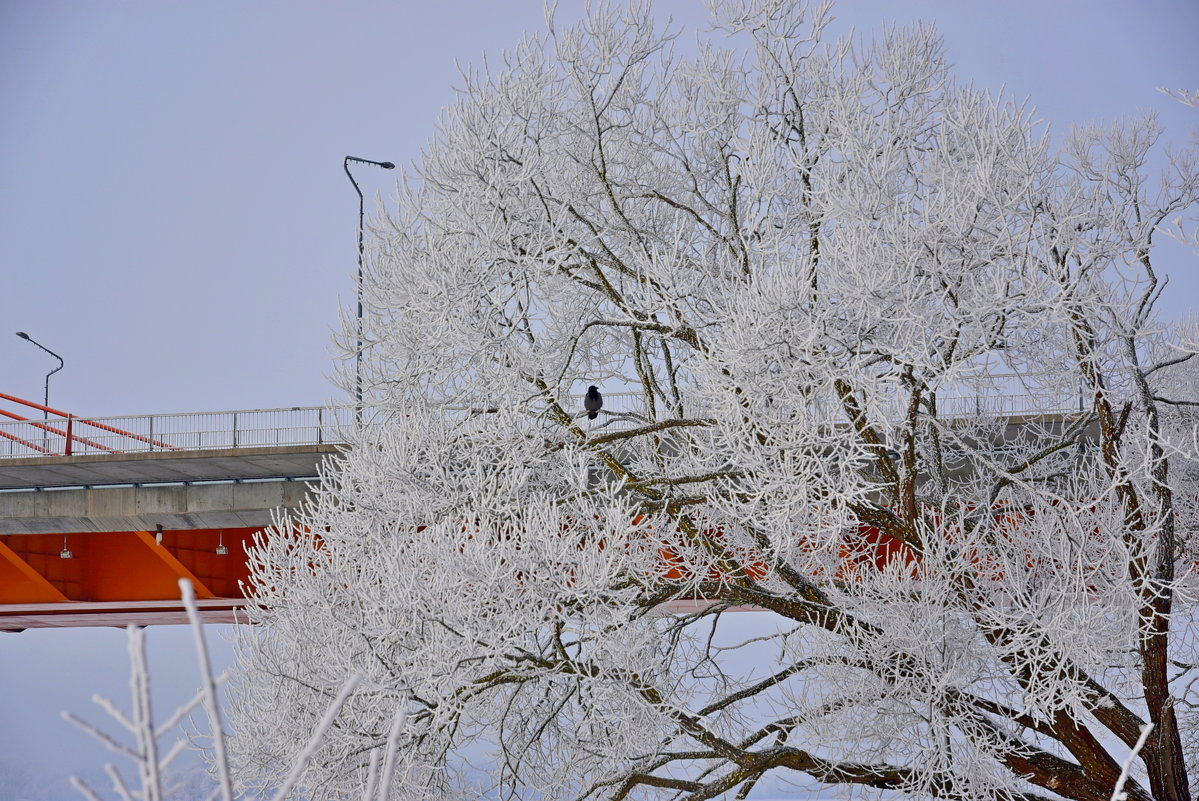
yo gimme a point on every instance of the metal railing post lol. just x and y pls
(235, 429)
(70, 419)
(151, 437)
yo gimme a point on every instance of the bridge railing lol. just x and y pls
(315, 425)
(628, 410)
(244, 428)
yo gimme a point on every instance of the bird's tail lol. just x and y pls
(592, 415)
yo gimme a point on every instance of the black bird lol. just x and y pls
(593, 401)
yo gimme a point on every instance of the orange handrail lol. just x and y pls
(124, 433)
(26, 443)
(32, 405)
(70, 438)
(68, 434)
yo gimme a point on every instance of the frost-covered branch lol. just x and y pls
(898, 386)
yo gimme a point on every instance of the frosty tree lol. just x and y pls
(895, 382)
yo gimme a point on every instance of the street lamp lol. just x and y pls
(46, 400)
(387, 165)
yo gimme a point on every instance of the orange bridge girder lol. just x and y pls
(120, 577)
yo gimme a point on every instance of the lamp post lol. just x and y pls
(387, 165)
(46, 400)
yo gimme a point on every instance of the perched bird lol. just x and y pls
(593, 401)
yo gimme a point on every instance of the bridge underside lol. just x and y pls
(76, 614)
(79, 542)
(120, 577)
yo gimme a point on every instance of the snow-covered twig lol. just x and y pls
(88, 792)
(208, 689)
(143, 716)
(1118, 793)
(118, 783)
(301, 761)
(393, 742)
(105, 739)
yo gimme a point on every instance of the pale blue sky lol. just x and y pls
(175, 222)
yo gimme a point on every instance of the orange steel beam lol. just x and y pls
(132, 566)
(118, 578)
(21, 584)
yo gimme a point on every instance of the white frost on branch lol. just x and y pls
(150, 762)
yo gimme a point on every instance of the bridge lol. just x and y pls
(100, 516)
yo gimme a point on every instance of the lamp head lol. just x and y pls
(387, 165)
(22, 335)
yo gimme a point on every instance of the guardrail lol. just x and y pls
(316, 425)
(244, 428)
(627, 409)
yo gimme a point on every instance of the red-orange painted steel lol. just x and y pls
(122, 566)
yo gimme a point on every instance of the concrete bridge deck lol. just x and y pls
(228, 488)
(159, 467)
